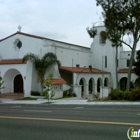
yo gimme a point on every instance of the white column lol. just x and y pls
(86, 89)
(28, 79)
(77, 90)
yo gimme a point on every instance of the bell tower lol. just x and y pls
(103, 54)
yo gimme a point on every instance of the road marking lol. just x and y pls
(37, 111)
(138, 114)
(78, 107)
(66, 120)
(15, 106)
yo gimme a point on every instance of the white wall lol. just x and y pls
(58, 91)
(124, 56)
(70, 56)
(29, 44)
(95, 77)
(8, 72)
(100, 51)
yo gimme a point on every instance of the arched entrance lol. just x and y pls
(99, 85)
(91, 86)
(82, 83)
(18, 84)
(137, 83)
(123, 82)
(9, 78)
(106, 82)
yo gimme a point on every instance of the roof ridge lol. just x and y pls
(41, 37)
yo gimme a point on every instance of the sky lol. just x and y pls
(63, 20)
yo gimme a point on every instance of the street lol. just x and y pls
(67, 122)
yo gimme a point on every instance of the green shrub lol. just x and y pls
(116, 94)
(65, 93)
(134, 95)
(35, 93)
(126, 95)
(69, 93)
(74, 95)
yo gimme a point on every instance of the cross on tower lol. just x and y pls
(19, 28)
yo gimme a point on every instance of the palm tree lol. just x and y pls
(42, 64)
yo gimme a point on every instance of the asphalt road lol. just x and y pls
(67, 122)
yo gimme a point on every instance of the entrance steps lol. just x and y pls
(12, 95)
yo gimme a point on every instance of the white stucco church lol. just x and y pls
(86, 70)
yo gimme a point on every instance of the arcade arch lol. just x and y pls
(99, 84)
(91, 86)
(137, 83)
(102, 37)
(123, 82)
(82, 82)
(13, 81)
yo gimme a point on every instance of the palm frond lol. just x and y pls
(50, 59)
(49, 56)
(42, 64)
(30, 56)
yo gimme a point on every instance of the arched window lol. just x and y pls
(102, 37)
(99, 84)
(137, 83)
(106, 82)
(123, 82)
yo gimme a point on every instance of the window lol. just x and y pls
(77, 65)
(102, 37)
(17, 44)
(105, 61)
(106, 82)
(127, 62)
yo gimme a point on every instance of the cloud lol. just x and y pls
(55, 19)
(50, 35)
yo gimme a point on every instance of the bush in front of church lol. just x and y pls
(117, 94)
(135, 95)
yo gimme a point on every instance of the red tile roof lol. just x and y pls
(57, 81)
(81, 70)
(125, 71)
(12, 61)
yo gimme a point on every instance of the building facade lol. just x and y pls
(86, 70)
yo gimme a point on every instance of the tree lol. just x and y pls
(122, 18)
(47, 85)
(42, 64)
(137, 64)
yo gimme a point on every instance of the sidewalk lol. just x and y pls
(68, 101)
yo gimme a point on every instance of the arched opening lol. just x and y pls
(137, 83)
(82, 83)
(8, 78)
(91, 86)
(123, 82)
(102, 37)
(18, 84)
(98, 85)
(106, 82)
